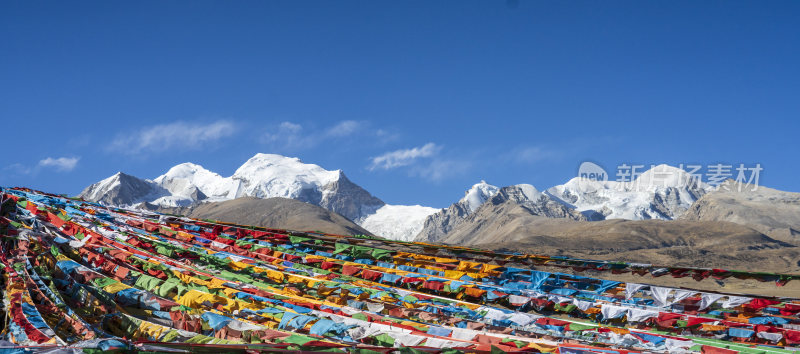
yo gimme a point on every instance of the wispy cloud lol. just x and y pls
(287, 134)
(439, 169)
(530, 154)
(290, 127)
(18, 169)
(295, 136)
(63, 164)
(422, 161)
(60, 164)
(344, 128)
(176, 135)
(402, 157)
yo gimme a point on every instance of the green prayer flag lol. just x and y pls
(341, 247)
(296, 339)
(298, 239)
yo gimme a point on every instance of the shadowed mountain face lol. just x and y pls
(282, 213)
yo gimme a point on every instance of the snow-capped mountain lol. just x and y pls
(437, 225)
(663, 192)
(188, 183)
(503, 212)
(535, 202)
(123, 190)
(268, 176)
(477, 195)
(262, 176)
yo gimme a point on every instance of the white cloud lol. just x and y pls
(385, 136)
(19, 169)
(60, 164)
(403, 157)
(343, 128)
(438, 169)
(288, 134)
(293, 136)
(177, 135)
(290, 127)
(533, 154)
(284, 131)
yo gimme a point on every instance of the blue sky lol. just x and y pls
(414, 100)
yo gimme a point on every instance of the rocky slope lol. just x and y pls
(520, 218)
(769, 211)
(282, 213)
(715, 244)
(491, 221)
(437, 225)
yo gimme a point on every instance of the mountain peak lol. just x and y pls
(184, 170)
(264, 159)
(277, 167)
(273, 158)
(122, 189)
(478, 194)
(120, 174)
(261, 176)
(119, 177)
(189, 182)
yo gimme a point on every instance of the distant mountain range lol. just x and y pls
(263, 176)
(663, 192)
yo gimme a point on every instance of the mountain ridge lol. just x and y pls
(662, 192)
(262, 176)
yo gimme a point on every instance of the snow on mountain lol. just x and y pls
(397, 222)
(533, 201)
(529, 191)
(194, 182)
(264, 176)
(98, 190)
(123, 190)
(270, 175)
(508, 204)
(663, 192)
(477, 195)
(438, 224)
